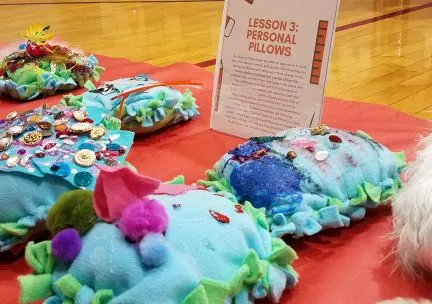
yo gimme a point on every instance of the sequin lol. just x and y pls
(85, 158)
(32, 138)
(34, 119)
(68, 142)
(99, 155)
(5, 143)
(239, 208)
(49, 146)
(12, 161)
(97, 132)
(113, 147)
(40, 154)
(81, 127)
(11, 115)
(4, 157)
(335, 139)
(310, 149)
(21, 152)
(83, 179)
(89, 120)
(122, 151)
(319, 130)
(112, 162)
(219, 217)
(44, 125)
(321, 155)
(176, 206)
(46, 133)
(61, 169)
(291, 155)
(30, 128)
(87, 146)
(78, 115)
(15, 130)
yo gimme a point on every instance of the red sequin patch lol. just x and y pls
(220, 217)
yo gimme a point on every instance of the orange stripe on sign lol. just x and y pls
(319, 52)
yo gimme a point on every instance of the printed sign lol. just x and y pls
(272, 65)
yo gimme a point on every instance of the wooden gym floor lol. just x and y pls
(382, 52)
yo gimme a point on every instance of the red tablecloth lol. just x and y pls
(338, 266)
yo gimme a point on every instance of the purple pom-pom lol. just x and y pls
(142, 217)
(66, 245)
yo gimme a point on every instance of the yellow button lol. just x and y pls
(85, 157)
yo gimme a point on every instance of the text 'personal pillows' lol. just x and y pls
(139, 104)
(157, 243)
(45, 152)
(307, 180)
(39, 68)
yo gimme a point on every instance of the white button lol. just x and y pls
(321, 155)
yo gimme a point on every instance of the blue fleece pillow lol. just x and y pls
(212, 252)
(309, 179)
(38, 163)
(144, 111)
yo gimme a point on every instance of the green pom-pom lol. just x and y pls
(73, 209)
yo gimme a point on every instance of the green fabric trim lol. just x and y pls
(216, 291)
(255, 269)
(102, 296)
(13, 229)
(400, 159)
(265, 265)
(34, 287)
(257, 214)
(361, 197)
(388, 193)
(373, 192)
(39, 257)
(187, 100)
(197, 296)
(68, 285)
(281, 254)
(363, 134)
(89, 85)
(72, 101)
(178, 180)
(236, 283)
(112, 123)
(331, 201)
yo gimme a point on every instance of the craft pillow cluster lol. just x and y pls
(44, 153)
(39, 69)
(309, 179)
(149, 242)
(138, 104)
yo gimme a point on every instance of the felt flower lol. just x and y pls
(116, 188)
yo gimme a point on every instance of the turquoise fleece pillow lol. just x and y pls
(41, 158)
(144, 111)
(307, 180)
(198, 247)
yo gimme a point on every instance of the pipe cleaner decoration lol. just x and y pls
(307, 180)
(140, 104)
(40, 68)
(158, 243)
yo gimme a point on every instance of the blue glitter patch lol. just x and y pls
(248, 149)
(113, 147)
(83, 179)
(264, 180)
(87, 146)
(30, 128)
(61, 169)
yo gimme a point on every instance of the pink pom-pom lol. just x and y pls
(142, 217)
